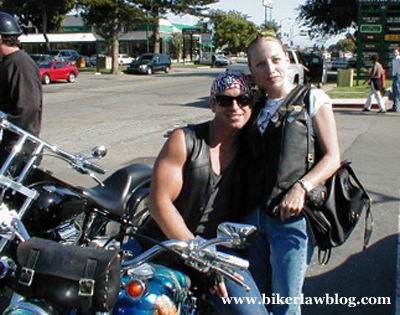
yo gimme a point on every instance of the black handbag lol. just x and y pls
(333, 210)
(345, 200)
(69, 276)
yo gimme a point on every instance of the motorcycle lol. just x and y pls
(53, 209)
(145, 288)
(33, 202)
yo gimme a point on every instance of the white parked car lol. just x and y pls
(220, 61)
(124, 59)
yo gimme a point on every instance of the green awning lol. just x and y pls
(207, 45)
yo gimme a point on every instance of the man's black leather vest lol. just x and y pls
(196, 189)
(282, 155)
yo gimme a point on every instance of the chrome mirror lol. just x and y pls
(99, 152)
(238, 232)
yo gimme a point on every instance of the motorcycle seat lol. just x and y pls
(114, 195)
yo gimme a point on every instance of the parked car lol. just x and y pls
(150, 63)
(124, 59)
(316, 70)
(243, 67)
(68, 55)
(39, 58)
(344, 63)
(220, 61)
(57, 70)
(295, 73)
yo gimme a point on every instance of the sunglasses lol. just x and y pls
(266, 33)
(226, 101)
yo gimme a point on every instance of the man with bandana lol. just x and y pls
(195, 178)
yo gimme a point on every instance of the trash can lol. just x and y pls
(104, 62)
(345, 77)
(81, 62)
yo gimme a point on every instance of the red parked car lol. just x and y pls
(57, 70)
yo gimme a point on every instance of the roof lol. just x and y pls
(182, 26)
(142, 35)
(60, 38)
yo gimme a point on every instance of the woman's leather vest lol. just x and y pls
(286, 153)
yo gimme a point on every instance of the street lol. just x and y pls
(130, 113)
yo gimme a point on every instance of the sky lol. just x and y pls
(283, 12)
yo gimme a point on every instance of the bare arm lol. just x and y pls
(325, 127)
(166, 185)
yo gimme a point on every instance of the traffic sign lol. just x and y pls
(371, 28)
(371, 37)
(190, 31)
(392, 37)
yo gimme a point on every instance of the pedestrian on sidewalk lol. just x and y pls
(375, 80)
(396, 80)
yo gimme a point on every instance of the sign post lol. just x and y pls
(378, 32)
(188, 44)
(268, 4)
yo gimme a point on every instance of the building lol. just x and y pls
(78, 36)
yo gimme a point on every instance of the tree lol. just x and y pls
(216, 17)
(108, 17)
(231, 29)
(176, 45)
(328, 17)
(235, 33)
(159, 8)
(270, 26)
(344, 45)
(45, 15)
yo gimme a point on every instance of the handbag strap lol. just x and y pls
(369, 220)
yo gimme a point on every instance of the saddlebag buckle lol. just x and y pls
(86, 287)
(26, 277)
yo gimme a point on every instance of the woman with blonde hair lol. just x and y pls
(278, 178)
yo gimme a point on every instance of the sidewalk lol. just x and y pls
(353, 102)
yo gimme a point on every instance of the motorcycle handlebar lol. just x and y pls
(201, 258)
(79, 162)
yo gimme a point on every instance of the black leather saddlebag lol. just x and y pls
(69, 276)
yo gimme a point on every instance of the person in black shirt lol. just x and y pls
(21, 94)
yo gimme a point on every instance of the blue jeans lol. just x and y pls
(396, 92)
(235, 290)
(279, 257)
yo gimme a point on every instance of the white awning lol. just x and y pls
(59, 38)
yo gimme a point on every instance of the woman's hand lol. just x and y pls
(293, 202)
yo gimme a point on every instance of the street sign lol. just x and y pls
(268, 3)
(371, 46)
(392, 37)
(371, 37)
(190, 31)
(371, 28)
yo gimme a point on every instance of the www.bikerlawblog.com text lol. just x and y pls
(307, 300)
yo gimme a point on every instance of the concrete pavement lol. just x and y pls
(353, 102)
